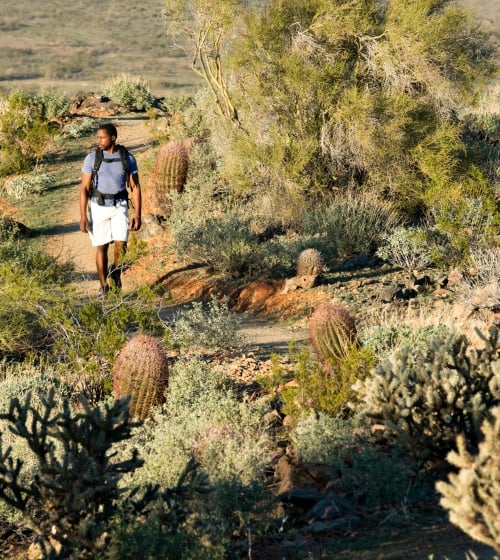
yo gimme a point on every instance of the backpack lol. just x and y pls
(99, 158)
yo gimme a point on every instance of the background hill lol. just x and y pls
(77, 46)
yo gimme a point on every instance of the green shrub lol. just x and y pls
(405, 247)
(77, 493)
(80, 128)
(227, 243)
(129, 92)
(24, 133)
(429, 396)
(88, 335)
(351, 223)
(384, 339)
(203, 416)
(23, 186)
(367, 473)
(472, 494)
(205, 326)
(306, 385)
(52, 103)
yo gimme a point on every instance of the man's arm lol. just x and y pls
(135, 187)
(84, 197)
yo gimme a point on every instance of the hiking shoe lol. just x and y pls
(115, 274)
(103, 292)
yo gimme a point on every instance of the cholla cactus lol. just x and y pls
(332, 330)
(309, 263)
(141, 372)
(429, 396)
(472, 495)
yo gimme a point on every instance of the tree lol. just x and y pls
(333, 94)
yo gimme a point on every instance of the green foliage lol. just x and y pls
(405, 247)
(129, 92)
(29, 281)
(52, 103)
(227, 243)
(332, 330)
(23, 186)
(367, 472)
(88, 335)
(309, 263)
(24, 132)
(307, 386)
(78, 128)
(382, 340)
(76, 487)
(229, 438)
(202, 414)
(211, 326)
(471, 495)
(141, 373)
(76, 500)
(351, 223)
(429, 396)
(387, 80)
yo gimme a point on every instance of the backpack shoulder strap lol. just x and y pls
(99, 156)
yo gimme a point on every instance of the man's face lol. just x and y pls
(104, 140)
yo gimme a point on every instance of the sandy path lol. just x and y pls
(69, 240)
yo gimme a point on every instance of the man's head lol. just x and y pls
(106, 136)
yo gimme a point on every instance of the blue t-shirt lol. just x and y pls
(111, 177)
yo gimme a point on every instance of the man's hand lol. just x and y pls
(84, 224)
(135, 224)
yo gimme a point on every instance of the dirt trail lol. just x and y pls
(262, 336)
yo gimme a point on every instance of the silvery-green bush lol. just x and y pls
(129, 91)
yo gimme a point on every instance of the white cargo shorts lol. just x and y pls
(108, 223)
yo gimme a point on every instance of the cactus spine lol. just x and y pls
(332, 330)
(171, 167)
(309, 263)
(141, 372)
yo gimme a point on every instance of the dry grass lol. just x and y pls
(77, 46)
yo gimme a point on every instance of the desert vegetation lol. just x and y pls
(326, 139)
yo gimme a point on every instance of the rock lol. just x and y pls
(487, 297)
(254, 296)
(455, 277)
(391, 293)
(302, 498)
(329, 508)
(300, 283)
(442, 293)
(358, 261)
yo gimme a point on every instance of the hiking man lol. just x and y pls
(106, 172)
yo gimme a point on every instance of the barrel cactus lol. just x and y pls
(332, 330)
(309, 263)
(171, 167)
(141, 372)
(170, 174)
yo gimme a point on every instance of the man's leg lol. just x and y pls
(101, 260)
(116, 270)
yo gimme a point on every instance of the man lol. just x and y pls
(105, 185)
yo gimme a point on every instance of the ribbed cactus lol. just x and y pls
(472, 495)
(171, 167)
(309, 263)
(141, 372)
(332, 330)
